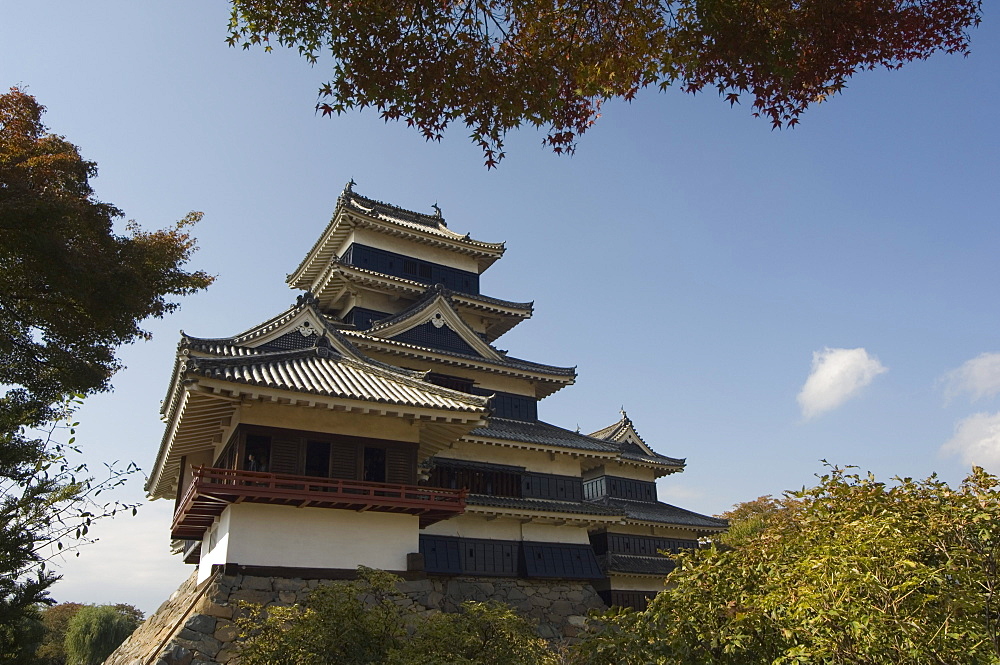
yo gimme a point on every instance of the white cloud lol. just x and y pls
(980, 377)
(837, 376)
(977, 441)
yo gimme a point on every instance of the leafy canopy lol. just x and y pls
(850, 572)
(71, 291)
(369, 622)
(497, 64)
(95, 631)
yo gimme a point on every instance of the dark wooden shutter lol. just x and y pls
(344, 461)
(286, 456)
(401, 465)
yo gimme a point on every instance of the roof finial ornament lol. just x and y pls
(437, 210)
(349, 187)
(622, 411)
(306, 298)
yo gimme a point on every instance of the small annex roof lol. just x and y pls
(632, 446)
(541, 505)
(662, 513)
(538, 433)
(436, 308)
(549, 378)
(338, 278)
(355, 210)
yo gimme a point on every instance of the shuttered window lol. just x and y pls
(447, 555)
(620, 543)
(344, 461)
(560, 561)
(427, 272)
(286, 456)
(620, 488)
(401, 465)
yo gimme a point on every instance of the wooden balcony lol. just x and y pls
(212, 490)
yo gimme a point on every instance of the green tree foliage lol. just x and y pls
(352, 623)
(496, 64)
(20, 637)
(849, 572)
(481, 634)
(365, 622)
(71, 291)
(46, 511)
(55, 620)
(97, 630)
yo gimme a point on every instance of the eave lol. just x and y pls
(339, 280)
(541, 517)
(589, 459)
(545, 384)
(354, 211)
(206, 406)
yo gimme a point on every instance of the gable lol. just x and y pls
(435, 324)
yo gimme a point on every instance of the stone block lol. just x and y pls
(216, 610)
(548, 631)
(287, 597)
(415, 586)
(225, 631)
(540, 601)
(177, 655)
(562, 608)
(251, 596)
(208, 646)
(288, 584)
(201, 623)
(225, 655)
(256, 583)
(577, 620)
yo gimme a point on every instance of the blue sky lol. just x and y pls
(688, 259)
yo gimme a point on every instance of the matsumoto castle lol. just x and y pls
(376, 423)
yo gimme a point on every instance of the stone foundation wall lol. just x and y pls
(195, 627)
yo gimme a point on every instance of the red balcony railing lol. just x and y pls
(212, 490)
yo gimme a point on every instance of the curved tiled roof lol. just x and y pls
(663, 513)
(504, 361)
(542, 505)
(617, 436)
(541, 433)
(324, 371)
(390, 219)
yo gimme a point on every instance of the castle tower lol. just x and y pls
(375, 423)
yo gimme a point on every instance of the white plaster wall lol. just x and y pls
(628, 471)
(532, 460)
(472, 526)
(636, 583)
(547, 533)
(333, 422)
(214, 547)
(266, 535)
